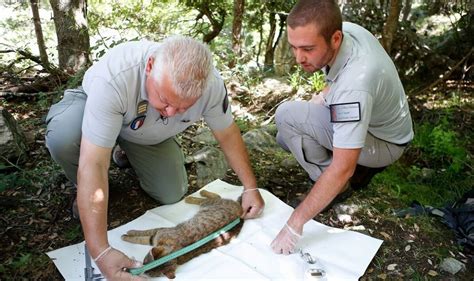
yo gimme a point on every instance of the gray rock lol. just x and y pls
(210, 165)
(427, 173)
(452, 265)
(205, 136)
(274, 87)
(290, 162)
(345, 209)
(259, 140)
(12, 140)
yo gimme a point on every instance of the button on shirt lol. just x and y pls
(363, 73)
(115, 85)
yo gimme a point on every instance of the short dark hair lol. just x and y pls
(325, 14)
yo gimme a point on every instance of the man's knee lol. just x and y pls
(61, 145)
(164, 196)
(283, 111)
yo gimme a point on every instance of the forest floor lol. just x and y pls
(36, 214)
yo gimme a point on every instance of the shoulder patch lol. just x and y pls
(225, 102)
(345, 112)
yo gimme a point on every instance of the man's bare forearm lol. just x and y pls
(92, 196)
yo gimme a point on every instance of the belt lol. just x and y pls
(401, 144)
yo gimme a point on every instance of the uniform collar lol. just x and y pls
(341, 60)
(143, 94)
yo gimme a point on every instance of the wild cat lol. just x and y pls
(214, 213)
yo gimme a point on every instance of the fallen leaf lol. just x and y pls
(430, 262)
(391, 266)
(417, 228)
(386, 235)
(432, 273)
(382, 276)
(407, 248)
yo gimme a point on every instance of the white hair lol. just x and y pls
(187, 62)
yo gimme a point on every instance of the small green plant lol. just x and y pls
(441, 146)
(317, 82)
(21, 262)
(244, 124)
(295, 78)
(313, 81)
(73, 233)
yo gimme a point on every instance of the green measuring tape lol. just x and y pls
(185, 250)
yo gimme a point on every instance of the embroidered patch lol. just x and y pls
(345, 112)
(225, 102)
(142, 107)
(137, 122)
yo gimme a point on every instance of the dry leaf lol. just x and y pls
(386, 235)
(407, 248)
(391, 266)
(432, 273)
(430, 262)
(417, 228)
(382, 276)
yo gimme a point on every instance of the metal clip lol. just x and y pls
(315, 271)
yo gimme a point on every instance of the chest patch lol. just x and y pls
(142, 108)
(345, 112)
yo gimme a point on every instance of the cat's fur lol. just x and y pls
(214, 213)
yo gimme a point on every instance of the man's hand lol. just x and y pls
(318, 99)
(113, 265)
(286, 240)
(252, 203)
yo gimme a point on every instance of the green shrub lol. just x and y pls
(440, 146)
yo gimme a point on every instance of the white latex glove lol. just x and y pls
(286, 240)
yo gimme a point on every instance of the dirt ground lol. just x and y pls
(36, 218)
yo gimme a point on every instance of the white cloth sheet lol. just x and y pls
(344, 254)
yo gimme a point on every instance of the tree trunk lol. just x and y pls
(239, 7)
(73, 36)
(39, 33)
(406, 10)
(13, 147)
(217, 24)
(391, 25)
(269, 49)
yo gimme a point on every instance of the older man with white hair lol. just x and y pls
(141, 95)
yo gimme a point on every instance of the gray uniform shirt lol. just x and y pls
(363, 75)
(115, 85)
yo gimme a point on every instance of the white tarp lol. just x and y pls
(344, 254)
